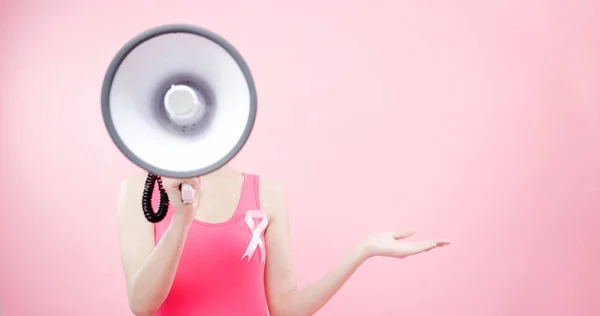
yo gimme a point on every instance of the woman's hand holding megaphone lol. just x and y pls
(173, 187)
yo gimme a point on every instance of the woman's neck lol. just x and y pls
(224, 172)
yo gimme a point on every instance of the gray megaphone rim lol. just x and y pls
(132, 44)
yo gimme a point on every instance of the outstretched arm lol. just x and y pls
(283, 295)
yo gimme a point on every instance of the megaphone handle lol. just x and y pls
(187, 193)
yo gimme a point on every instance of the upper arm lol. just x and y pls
(280, 278)
(136, 234)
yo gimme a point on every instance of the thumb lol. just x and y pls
(403, 233)
(194, 182)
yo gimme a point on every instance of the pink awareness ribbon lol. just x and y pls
(256, 241)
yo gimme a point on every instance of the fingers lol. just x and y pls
(403, 233)
(442, 242)
(194, 182)
(422, 246)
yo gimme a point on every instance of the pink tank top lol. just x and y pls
(221, 271)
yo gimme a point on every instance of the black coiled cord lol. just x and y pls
(163, 202)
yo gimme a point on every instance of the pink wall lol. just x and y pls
(478, 121)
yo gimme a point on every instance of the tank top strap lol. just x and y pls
(250, 193)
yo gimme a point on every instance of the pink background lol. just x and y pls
(474, 120)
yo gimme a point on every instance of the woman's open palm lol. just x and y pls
(392, 244)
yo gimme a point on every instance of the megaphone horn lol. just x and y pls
(178, 101)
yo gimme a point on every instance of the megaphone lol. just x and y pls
(178, 101)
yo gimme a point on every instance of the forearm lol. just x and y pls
(151, 284)
(309, 300)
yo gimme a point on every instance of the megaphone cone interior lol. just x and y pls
(179, 101)
(183, 105)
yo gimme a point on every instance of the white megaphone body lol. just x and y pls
(178, 101)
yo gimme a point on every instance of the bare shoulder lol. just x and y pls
(131, 193)
(134, 181)
(272, 198)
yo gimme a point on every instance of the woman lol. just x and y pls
(228, 253)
